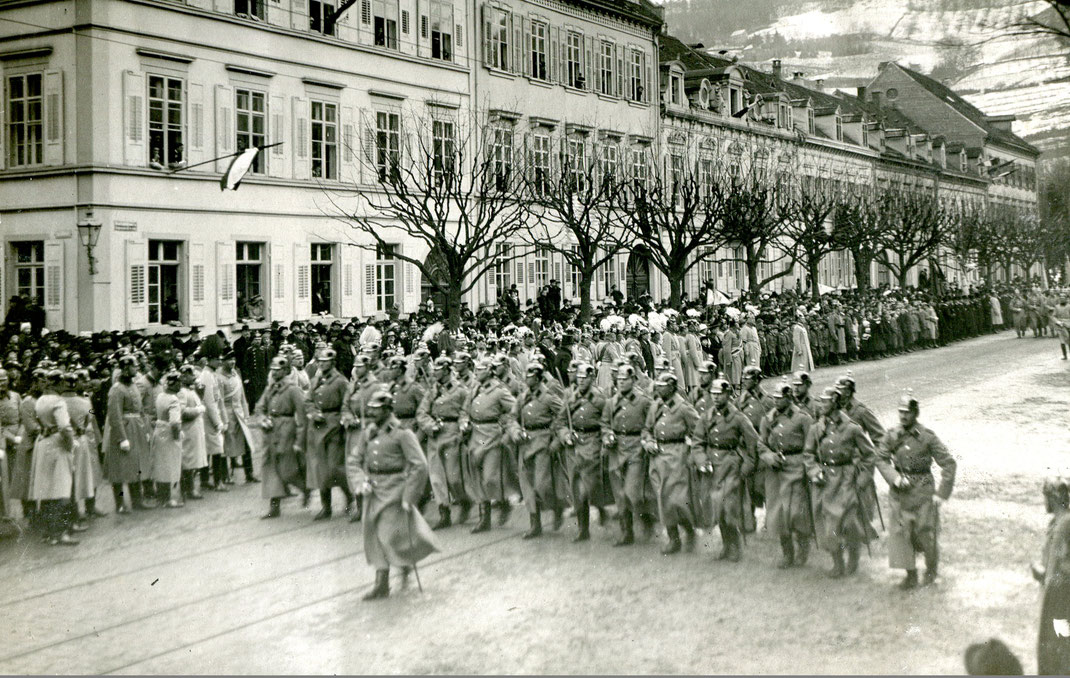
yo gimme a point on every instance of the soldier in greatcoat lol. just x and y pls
(543, 483)
(362, 387)
(864, 417)
(578, 427)
(281, 410)
(727, 451)
(9, 437)
(788, 509)
(387, 467)
(126, 439)
(905, 458)
(670, 429)
(700, 396)
(753, 403)
(52, 474)
(325, 438)
(800, 391)
(623, 419)
(838, 455)
(438, 417)
(485, 419)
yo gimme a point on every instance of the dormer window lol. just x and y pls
(865, 135)
(784, 119)
(676, 87)
(736, 100)
(810, 120)
(962, 162)
(839, 128)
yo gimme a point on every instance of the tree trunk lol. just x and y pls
(901, 276)
(453, 304)
(861, 266)
(753, 283)
(811, 270)
(586, 280)
(676, 286)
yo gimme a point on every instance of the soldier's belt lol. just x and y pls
(448, 420)
(914, 472)
(400, 415)
(386, 472)
(627, 433)
(588, 430)
(484, 421)
(845, 462)
(789, 453)
(670, 441)
(537, 428)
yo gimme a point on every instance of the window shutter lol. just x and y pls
(458, 36)
(486, 16)
(648, 81)
(53, 119)
(405, 21)
(349, 256)
(369, 284)
(490, 280)
(516, 30)
(225, 275)
(224, 126)
(280, 302)
(302, 168)
(519, 266)
(410, 299)
(134, 120)
(589, 69)
(195, 142)
(367, 153)
(619, 51)
(366, 12)
(197, 263)
(3, 152)
(279, 162)
(299, 15)
(423, 27)
(556, 62)
(278, 13)
(137, 303)
(525, 28)
(350, 172)
(303, 281)
(622, 267)
(54, 292)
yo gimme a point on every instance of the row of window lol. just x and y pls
(535, 48)
(385, 20)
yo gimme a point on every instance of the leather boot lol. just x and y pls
(853, 552)
(559, 518)
(932, 563)
(504, 511)
(689, 538)
(583, 519)
(466, 510)
(647, 522)
(536, 526)
(325, 506)
(627, 533)
(357, 512)
(247, 466)
(910, 581)
(484, 518)
(274, 510)
(444, 518)
(787, 546)
(382, 586)
(802, 551)
(674, 545)
(726, 543)
(837, 563)
(117, 494)
(735, 548)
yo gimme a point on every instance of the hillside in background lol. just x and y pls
(962, 43)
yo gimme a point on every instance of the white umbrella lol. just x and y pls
(431, 332)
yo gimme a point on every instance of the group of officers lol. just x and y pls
(470, 433)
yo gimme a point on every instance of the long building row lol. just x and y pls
(111, 213)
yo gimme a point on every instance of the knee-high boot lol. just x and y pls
(118, 495)
(247, 465)
(325, 505)
(583, 520)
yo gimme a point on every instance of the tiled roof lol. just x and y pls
(968, 110)
(640, 10)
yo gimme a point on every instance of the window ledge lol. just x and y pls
(608, 97)
(575, 90)
(540, 83)
(497, 72)
(638, 104)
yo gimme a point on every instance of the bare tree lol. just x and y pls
(441, 181)
(674, 214)
(1053, 20)
(579, 212)
(913, 226)
(813, 205)
(756, 209)
(856, 228)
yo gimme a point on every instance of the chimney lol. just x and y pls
(820, 82)
(796, 75)
(777, 69)
(862, 93)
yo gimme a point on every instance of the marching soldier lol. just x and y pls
(578, 426)
(754, 403)
(325, 448)
(701, 396)
(407, 394)
(800, 391)
(622, 429)
(837, 454)
(864, 417)
(727, 449)
(438, 416)
(542, 479)
(670, 428)
(387, 467)
(283, 419)
(905, 459)
(362, 387)
(789, 513)
(485, 418)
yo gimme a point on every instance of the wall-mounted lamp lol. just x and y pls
(88, 234)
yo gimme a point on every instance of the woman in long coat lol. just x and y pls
(166, 443)
(52, 476)
(802, 360)
(194, 447)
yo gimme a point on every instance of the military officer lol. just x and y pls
(800, 390)
(437, 417)
(701, 396)
(864, 417)
(905, 459)
(325, 446)
(542, 478)
(727, 449)
(388, 468)
(837, 454)
(407, 393)
(788, 513)
(670, 429)
(622, 429)
(486, 417)
(754, 403)
(282, 412)
(578, 426)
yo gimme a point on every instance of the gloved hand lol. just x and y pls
(902, 483)
(124, 446)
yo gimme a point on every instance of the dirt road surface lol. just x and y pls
(212, 589)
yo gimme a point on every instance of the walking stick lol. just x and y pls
(877, 503)
(862, 516)
(743, 510)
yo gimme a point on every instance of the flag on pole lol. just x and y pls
(239, 167)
